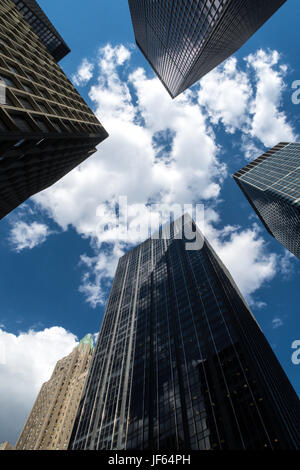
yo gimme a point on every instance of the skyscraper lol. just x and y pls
(184, 40)
(51, 419)
(43, 28)
(271, 183)
(46, 128)
(6, 446)
(180, 361)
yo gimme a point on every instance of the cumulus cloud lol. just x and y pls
(225, 93)
(286, 263)
(100, 270)
(26, 362)
(166, 151)
(250, 150)
(277, 323)
(269, 123)
(245, 254)
(126, 163)
(249, 99)
(24, 235)
(84, 73)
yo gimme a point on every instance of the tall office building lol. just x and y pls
(43, 28)
(51, 420)
(6, 446)
(271, 183)
(46, 128)
(180, 361)
(184, 40)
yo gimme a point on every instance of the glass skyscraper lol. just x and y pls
(184, 40)
(181, 362)
(271, 183)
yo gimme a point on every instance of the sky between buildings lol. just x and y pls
(57, 265)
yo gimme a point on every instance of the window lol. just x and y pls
(42, 125)
(28, 88)
(56, 125)
(20, 142)
(8, 101)
(3, 126)
(12, 69)
(7, 80)
(43, 108)
(21, 122)
(43, 93)
(25, 102)
(68, 127)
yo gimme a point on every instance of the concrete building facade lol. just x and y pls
(50, 422)
(46, 128)
(6, 446)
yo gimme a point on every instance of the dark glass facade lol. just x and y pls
(180, 361)
(43, 28)
(184, 40)
(46, 128)
(271, 184)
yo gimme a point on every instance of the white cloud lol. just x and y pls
(26, 362)
(245, 254)
(122, 54)
(126, 163)
(277, 323)
(249, 100)
(24, 235)
(225, 93)
(165, 151)
(250, 150)
(286, 262)
(269, 124)
(83, 74)
(95, 337)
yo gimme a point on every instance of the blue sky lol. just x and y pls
(56, 268)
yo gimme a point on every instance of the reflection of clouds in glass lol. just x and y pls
(277, 323)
